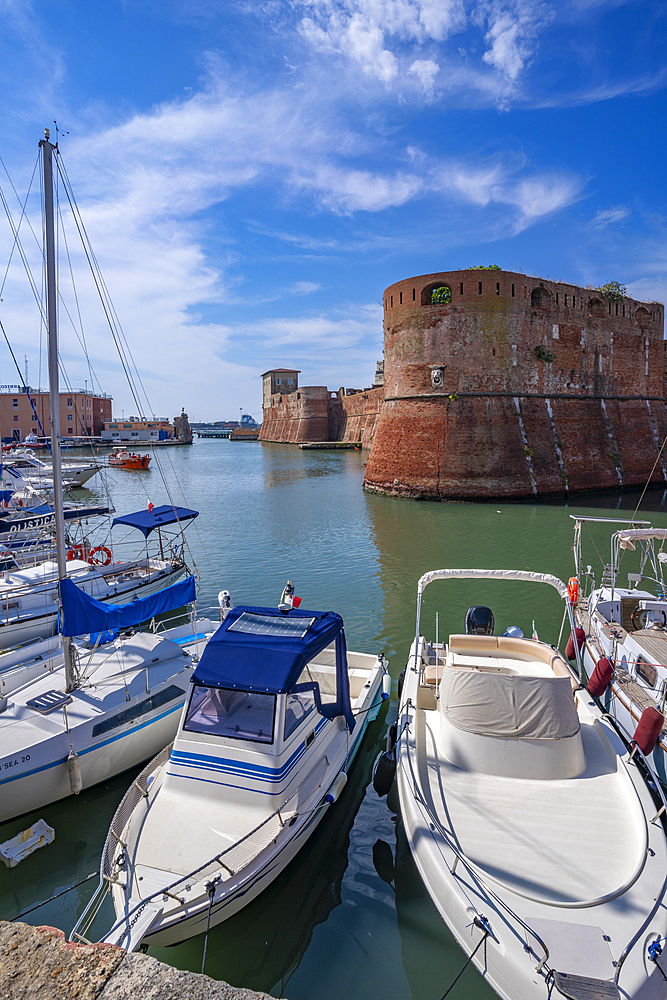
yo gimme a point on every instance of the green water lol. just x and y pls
(349, 918)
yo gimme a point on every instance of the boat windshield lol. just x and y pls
(244, 715)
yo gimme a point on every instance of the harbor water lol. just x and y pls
(349, 918)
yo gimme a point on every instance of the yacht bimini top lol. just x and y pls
(265, 649)
(148, 520)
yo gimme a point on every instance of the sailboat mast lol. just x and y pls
(54, 394)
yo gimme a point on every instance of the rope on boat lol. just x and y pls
(210, 889)
(484, 924)
(55, 896)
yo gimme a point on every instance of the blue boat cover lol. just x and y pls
(265, 649)
(148, 520)
(82, 614)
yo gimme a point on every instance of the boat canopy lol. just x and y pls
(491, 574)
(266, 649)
(148, 520)
(629, 536)
(82, 614)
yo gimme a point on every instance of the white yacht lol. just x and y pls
(276, 711)
(23, 466)
(622, 627)
(532, 824)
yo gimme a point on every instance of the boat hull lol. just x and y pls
(266, 870)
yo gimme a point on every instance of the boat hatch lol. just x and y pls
(49, 702)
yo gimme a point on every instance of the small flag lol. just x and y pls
(535, 635)
(150, 507)
(296, 601)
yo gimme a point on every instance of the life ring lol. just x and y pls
(76, 552)
(573, 589)
(99, 562)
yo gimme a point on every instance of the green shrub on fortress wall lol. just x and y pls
(440, 295)
(483, 267)
(613, 290)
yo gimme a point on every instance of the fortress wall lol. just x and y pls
(313, 413)
(360, 415)
(586, 411)
(298, 416)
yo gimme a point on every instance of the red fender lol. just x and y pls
(648, 731)
(580, 636)
(600, 677)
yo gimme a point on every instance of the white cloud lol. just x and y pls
(427, 71)
(608, 216)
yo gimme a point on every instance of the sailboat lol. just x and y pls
(106, 700)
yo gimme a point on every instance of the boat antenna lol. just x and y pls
(54, 395)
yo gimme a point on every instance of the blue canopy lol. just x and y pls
(148, 520)
(265, 649)
(82, 613)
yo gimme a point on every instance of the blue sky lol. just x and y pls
(253, 175)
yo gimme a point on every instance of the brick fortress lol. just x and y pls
(501, 385)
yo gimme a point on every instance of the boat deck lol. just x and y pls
(520, 832)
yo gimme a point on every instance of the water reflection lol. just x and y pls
(340, 921)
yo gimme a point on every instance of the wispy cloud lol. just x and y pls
(608, 216)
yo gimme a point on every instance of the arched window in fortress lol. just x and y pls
(596, 308)
(642, 317)
(540, 298)
(436, 294)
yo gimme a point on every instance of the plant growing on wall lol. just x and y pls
(544, 354)
(483, 267)
(441, 295)
(613, 290)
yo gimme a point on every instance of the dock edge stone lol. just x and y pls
(38, 963)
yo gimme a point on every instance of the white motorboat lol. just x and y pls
(623, 630)
(276, 711)
(532, 825)
(23, 465)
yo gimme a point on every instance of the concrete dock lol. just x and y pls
(38, 963)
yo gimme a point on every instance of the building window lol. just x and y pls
(413, 294)
(277, 381)
(400, 299)
(497, 288)
(15, 404)
(461, 288)
(574, 301)
(70, 430)
(480, 288)
(556, 298)
(392, 301)
(512, 291)
(16, 418)
(69, 402)
(290, 381)
(69, 416)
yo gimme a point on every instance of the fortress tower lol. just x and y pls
(501, 385)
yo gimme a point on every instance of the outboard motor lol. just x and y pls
(225, 604)
(288, 598)
(514, 632)
(479, 621)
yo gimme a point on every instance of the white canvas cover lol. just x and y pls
(509, 705)
(628, 537)
(491, 574)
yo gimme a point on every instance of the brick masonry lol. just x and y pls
(314, 413)
(517, 387)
